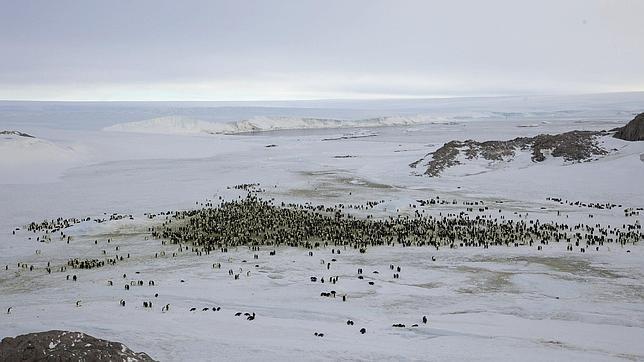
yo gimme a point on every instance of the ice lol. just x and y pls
(479, 305)
(181, 125)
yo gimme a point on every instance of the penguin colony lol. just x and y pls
(254, 223)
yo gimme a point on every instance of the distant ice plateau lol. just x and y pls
(185, 125)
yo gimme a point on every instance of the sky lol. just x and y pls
(331, 49)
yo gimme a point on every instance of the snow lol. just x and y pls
(480, 305)
(28, 159)
(18, 150)
(501, 303)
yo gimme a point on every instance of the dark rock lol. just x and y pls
(65, 346)
(16, 133)
(633, 131)
(348, 137)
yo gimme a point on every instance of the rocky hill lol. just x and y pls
(65, 346)
(633, 131)
(574, 146)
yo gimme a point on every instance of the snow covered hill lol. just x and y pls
(20, 148)
(25, 158)
(478, 157)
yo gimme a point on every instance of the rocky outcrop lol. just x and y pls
(65, 346)
(16, 133)
(633, 131)
(574, 146)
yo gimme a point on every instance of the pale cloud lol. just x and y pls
(229, 50)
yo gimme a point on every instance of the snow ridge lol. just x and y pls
(184, 125)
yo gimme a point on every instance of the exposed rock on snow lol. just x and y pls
(633, 131)
(573, 146)
(65, 346)
(16, 133)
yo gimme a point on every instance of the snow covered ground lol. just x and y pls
(493, 304)
(481, 305)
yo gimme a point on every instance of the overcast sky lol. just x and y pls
(260, 50)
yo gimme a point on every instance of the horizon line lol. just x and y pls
(315, 99)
